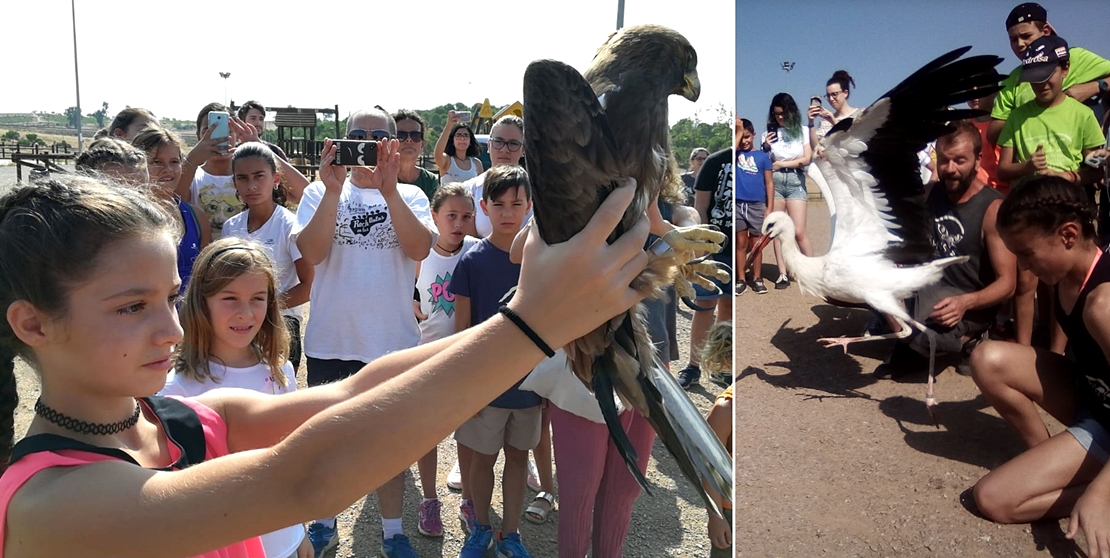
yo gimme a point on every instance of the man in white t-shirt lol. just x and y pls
(364, 238)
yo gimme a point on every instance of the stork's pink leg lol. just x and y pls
(902, 333)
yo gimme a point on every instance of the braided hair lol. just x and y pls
(1044, 203)
(51, 235)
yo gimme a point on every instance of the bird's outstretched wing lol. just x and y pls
(572, 154)
(870, 162)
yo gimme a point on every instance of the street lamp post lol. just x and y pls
(225, 75)
(788, 66)
(76, 74)
(620, 15)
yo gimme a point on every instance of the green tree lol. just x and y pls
(100, 115)
(73, 116)
(11, 135)
(689, 133)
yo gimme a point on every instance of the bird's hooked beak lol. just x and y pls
(759, 246)
(691, 86)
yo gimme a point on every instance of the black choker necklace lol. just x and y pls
(82, 427)
(450, 252)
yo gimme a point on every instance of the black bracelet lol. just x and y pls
(516, 319)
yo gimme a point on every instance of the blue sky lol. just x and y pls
(880, 42)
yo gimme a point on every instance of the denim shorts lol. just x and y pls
(790, 184)
(1090, 434)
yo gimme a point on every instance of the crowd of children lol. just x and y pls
(245, 266)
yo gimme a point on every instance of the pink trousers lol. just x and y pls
(596, 490)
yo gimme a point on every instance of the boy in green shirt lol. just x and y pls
(1089, 73)
(1052, 133)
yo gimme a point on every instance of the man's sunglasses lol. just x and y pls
(410, 136)
(376, 135)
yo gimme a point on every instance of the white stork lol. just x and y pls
(881, 250)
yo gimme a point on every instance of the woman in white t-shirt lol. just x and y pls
(453, 213)
(266, 220)
(231, 316)
(821, 122)
(788, 141)
(457, 151)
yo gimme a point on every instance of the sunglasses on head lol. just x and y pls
(376, 135)
(410, 136)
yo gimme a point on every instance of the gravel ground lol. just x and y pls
(670, 523)
(832, 461)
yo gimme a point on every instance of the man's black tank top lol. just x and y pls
(1092, 372)
(958, 231)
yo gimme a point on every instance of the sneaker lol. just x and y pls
(428, 518)
(478, 542)
(454, 478)
(722, 379)
(323, 539)
(689, 376)
(398, 547)
(534, 476)
(509, 546)
(782, 282)
(741, 287)
(466, 515)
(758, 287)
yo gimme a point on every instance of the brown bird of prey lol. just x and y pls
(582, 142)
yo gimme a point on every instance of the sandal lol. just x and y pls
(541, 506)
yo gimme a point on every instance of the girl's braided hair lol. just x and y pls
(1044, 203)
(51, 234)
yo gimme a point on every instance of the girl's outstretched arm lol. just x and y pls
(348, 449)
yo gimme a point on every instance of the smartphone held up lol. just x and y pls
(218, 120)
(356, 153)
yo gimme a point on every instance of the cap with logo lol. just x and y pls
(1023, 13)
(1041, 57)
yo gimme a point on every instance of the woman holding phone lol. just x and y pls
(787, 140)
(457, 150)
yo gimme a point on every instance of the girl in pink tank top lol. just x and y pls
(89, 283)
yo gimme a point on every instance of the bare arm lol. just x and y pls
(298, 295)
(994, 130)
(769, 184)
(1009, 169)
(799, 163)
(1083, 91)
(720, 421)
(415, 238)
(315, 239)
(462, 313)
(443, 160)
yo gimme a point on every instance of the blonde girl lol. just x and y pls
(235, 337)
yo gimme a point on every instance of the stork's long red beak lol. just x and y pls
(759, 246)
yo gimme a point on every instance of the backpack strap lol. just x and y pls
(180, 421)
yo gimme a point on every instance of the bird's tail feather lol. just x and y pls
(686, 434)
(602, 384)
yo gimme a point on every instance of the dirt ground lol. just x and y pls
(671, 523)
(832, 461)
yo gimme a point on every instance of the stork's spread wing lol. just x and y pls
(572, 155)
(871, 161)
